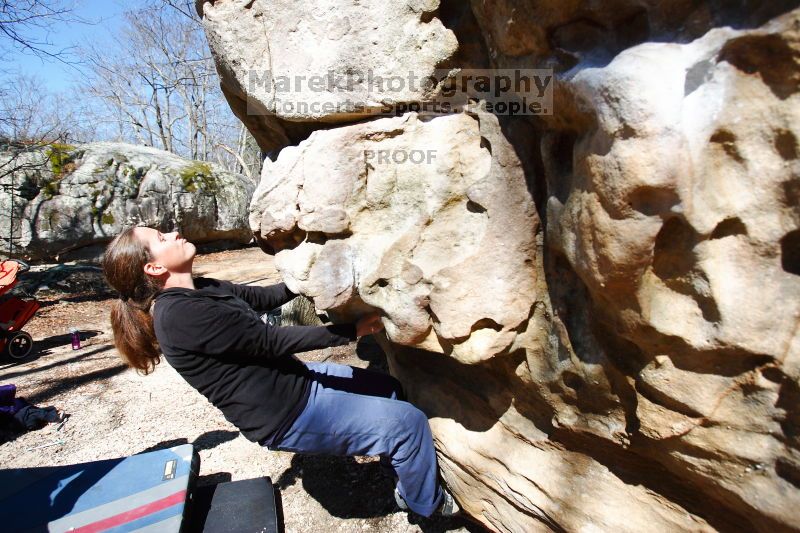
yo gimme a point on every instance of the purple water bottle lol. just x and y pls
(76, 338)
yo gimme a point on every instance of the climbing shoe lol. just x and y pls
(449, 507)
(401, 503)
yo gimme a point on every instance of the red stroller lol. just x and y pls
(14, 312)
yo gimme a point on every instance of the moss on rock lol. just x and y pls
(199, 176)
(61, 161)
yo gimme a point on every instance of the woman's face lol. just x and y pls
(170, 252)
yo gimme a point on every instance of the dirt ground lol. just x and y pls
(114, 412)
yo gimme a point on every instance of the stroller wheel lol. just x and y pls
(19, 345)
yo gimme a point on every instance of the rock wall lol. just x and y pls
(63, 198)
(599, 309)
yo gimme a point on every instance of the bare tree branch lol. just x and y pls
(25, 26)
(245, 168)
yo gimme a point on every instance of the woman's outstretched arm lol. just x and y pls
(259, 298)
(224, 329)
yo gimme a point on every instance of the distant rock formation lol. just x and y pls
(599, 309)
(69, 197)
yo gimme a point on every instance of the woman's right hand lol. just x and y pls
(369, 324)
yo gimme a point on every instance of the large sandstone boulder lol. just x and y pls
(361, 231)
(448, 251)
(66, 197)
(599, 309)
(680, 220)
(268, 53)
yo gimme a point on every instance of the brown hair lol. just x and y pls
(131, 321)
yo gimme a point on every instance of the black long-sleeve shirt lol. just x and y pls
(213, 337)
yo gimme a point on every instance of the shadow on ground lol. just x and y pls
(46, 348)
(206, 441)
(348, 489)
(57, 387)
(70, 279)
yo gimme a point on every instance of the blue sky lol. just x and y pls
(104, 15)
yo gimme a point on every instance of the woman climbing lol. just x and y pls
(210, 332)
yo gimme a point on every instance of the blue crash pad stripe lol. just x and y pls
(107, 510)
(149, 520)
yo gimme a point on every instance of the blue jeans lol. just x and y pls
(354, 411)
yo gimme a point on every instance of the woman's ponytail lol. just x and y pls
(131, 318)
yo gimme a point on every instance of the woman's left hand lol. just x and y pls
(369, 324)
